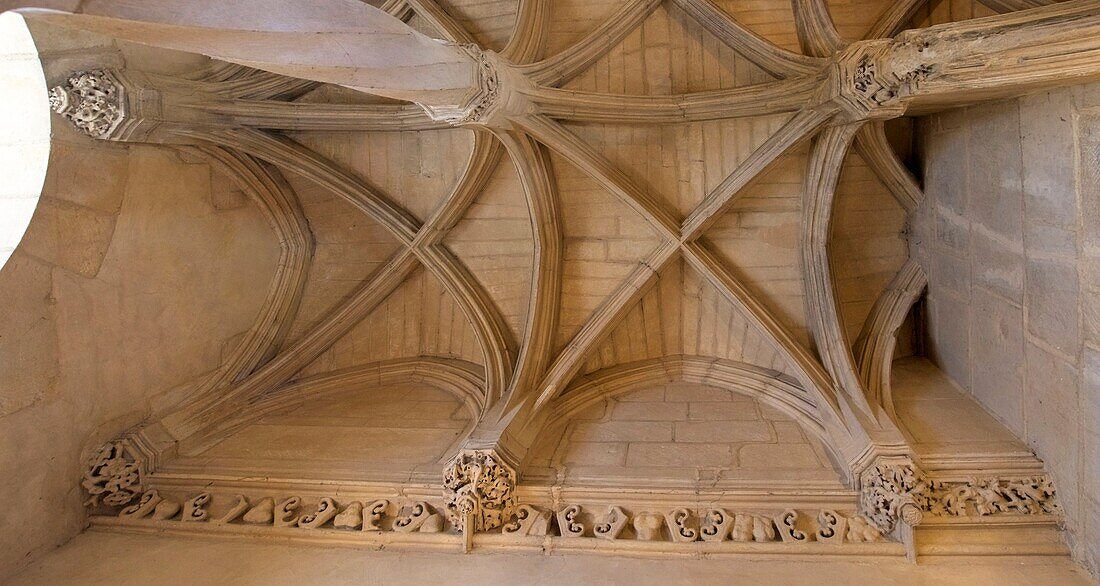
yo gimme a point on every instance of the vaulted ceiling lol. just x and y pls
(681, 202)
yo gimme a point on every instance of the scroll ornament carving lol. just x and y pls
(478, 483)
(91, 101)
(894, 486)
(529, 521)
(893, 492)
(112, 476)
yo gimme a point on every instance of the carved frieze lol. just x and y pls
(992, 496)
(92, 101)
(898, 491)
(477, 483)
(676, 526)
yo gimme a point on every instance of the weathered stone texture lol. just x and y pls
(1018, 328)
(104, 253)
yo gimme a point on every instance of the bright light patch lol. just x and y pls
(24, 131)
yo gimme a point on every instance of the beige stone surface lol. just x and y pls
(128, 288)
(695, 310)
(166, 259)
(97, 558)
(682, 432)
(941, 417)
(1006, 239)
(370, 434)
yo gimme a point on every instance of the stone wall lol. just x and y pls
(98, 558)
(1008, 237)
(136, 274)
(683, 433)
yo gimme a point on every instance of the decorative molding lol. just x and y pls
(94, 102)
(823, 314)
(532, 164)
(767, 55)
(680, 525)
(814, 25)
(479, 487)
(894, 18)
(113, 475)
(759, 99)
(529, 521)
(530, 33)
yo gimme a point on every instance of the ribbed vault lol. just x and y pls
(676, 190)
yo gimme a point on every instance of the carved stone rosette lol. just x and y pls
(112, 476)
(478, 106)
(92, 101)
(478, 483)
(892, 492)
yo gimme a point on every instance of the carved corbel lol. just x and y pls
(116, 105)
(479, 485)
(113, 475)
(94, 102)
(893, 491)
